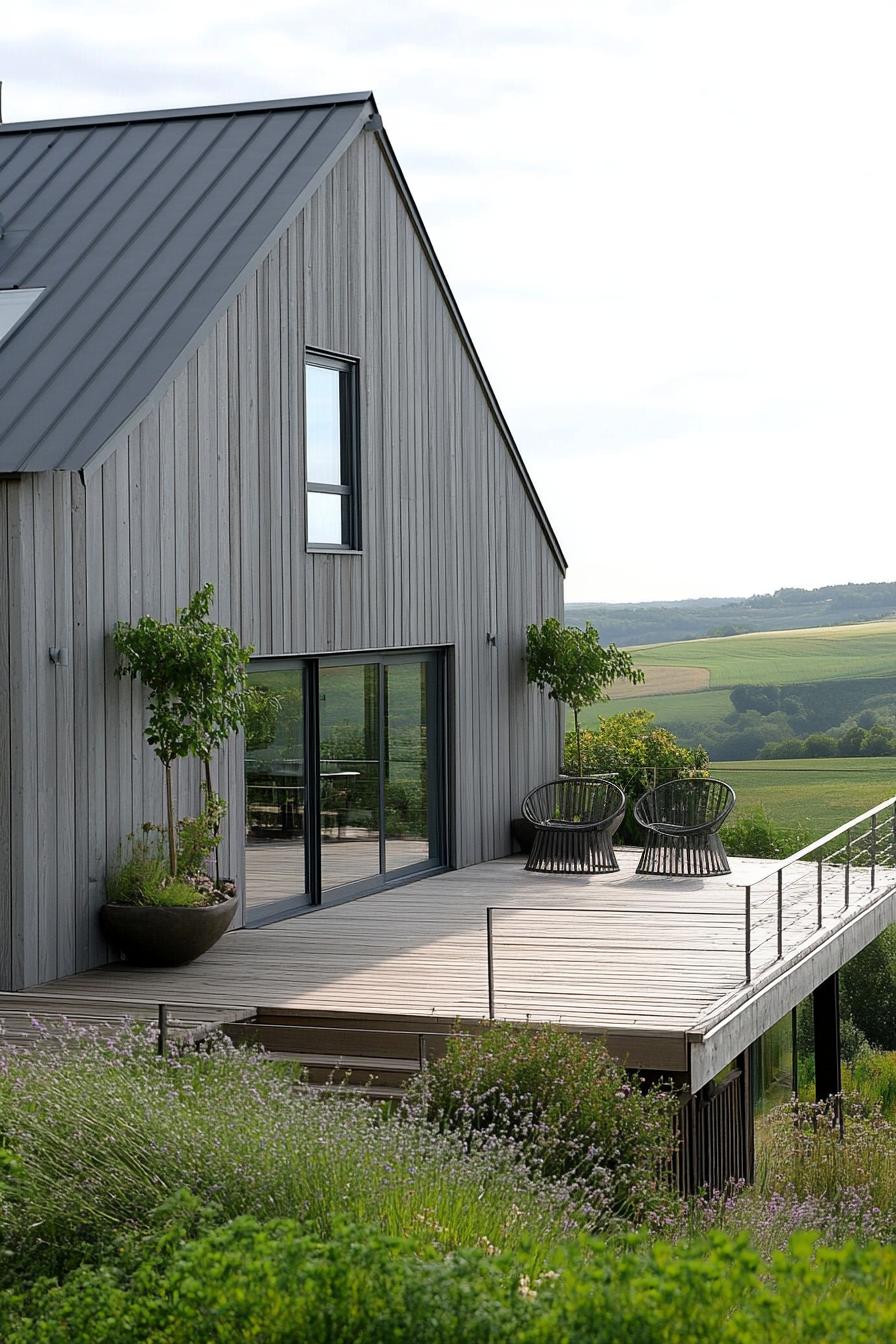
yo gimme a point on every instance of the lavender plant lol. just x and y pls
(569, 1111)
(829, 1168)
(102, 1132)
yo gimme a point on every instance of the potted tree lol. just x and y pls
(574, 668)
(164, 907)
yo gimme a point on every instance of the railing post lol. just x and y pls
(820, 890)
(163, 1030)
(873, 848)
(780, 913)
(848, 862)
(491, 963)
(747, 948)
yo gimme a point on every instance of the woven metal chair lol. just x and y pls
(574, 821)
(682, 820)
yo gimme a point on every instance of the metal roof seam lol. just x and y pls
(220, 308)
(76, 304)
(85, 432)
(27, 241)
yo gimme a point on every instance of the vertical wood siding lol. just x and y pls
(210, 486)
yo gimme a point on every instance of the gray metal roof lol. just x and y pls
(140, 229)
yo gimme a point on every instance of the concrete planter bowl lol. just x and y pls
(152, 935)
(523, 833)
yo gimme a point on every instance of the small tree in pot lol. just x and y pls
(195, 673)
(573, 667)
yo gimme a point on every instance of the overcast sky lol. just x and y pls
(671, 228)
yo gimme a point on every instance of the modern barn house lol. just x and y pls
(228, 354)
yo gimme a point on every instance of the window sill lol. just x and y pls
(332, 550)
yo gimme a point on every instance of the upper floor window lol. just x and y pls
(331, 452)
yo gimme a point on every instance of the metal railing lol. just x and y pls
(542, 938)
(841, 865)
(34, 1003)
(782, 908)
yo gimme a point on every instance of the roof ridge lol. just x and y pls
(173, 114)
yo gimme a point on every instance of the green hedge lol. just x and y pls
(275, 1284)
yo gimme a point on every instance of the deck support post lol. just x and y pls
(826, 1021)
(745, 1064)
(490, 955)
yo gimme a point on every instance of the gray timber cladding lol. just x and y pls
(208, 485)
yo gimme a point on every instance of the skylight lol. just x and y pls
(14, 304)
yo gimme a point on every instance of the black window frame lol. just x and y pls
(350, 451)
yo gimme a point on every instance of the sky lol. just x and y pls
(670, 226)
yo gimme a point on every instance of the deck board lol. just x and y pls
(615, 952)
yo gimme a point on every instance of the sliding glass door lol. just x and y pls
(344, 766)
(276, 868)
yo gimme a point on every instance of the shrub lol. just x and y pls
(571, 1112)
(852, 1043)
(199, 837)
(872, 1074)
(143, 878)
(100, 1135)
(140, 877)
(273, 1281)
(756, 835)
(640, 755)
(868, 990)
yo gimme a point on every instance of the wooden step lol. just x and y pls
(365, 1020)
(402, 1048)
(335, 1073)
(371, 1093)
(360, 1070)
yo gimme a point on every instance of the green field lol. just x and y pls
(826, 677)
(830, 653)
(702, 707)
(822, 793)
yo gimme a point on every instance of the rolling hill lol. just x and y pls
(740, 694)
(774, 658)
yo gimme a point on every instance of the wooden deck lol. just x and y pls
(654, 963)
(275, 869)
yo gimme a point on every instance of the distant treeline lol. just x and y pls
(696, 618)
(855, 716)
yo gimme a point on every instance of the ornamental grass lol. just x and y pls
(95, 1135)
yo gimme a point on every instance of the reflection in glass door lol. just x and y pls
(406, 764)
(275, 793)
(350, 820)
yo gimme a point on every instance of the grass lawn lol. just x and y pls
(783, 657)
(824, 793)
